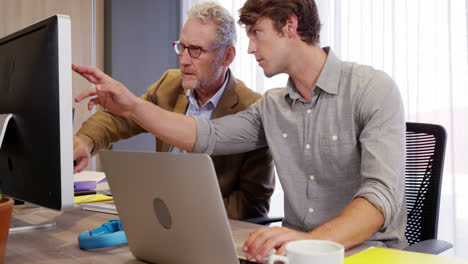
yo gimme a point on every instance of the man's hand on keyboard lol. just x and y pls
(262, 241)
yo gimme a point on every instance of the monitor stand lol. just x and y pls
(4, 119)
(30, 220)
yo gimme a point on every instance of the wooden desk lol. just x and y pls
(60, 244)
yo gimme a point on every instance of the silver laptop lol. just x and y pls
(170, 206)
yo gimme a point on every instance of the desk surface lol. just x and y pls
(60, 244)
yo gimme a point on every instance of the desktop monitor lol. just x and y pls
(36, 152)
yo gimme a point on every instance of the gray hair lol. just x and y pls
(211, 11)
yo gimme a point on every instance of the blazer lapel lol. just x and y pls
(180, 107)
(229, 100)
(181, 104)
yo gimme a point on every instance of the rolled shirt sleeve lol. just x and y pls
(382, 143)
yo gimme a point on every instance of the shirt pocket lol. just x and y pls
(341, 155)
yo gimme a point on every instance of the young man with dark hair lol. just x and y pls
(336, 132)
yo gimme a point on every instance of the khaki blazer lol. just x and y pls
(246, 180)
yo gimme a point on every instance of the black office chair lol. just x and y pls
(425, 152)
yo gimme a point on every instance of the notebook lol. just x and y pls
(87, 180)
(170, 206)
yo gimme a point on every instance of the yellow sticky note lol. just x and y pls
(92, 198)
(392, 256)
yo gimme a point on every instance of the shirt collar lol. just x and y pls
(329, 78)
(327, 81)
(214, 100)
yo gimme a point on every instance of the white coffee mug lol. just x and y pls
(311, 251)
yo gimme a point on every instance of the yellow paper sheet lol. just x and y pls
(391, 256)
(92, 198)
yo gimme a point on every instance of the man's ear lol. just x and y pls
(290, 28)
(229, 55)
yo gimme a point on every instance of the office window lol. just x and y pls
(423, 46)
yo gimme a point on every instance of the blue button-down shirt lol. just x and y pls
(205, 111)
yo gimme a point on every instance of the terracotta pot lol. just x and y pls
(6, 206)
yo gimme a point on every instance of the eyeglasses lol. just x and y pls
(194, 51)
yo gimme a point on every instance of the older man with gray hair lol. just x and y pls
(204, 87)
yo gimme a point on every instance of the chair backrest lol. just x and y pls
(425, 152)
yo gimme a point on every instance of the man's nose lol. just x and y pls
(251, 49)
(185, 58)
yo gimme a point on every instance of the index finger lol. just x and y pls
(252, 236)
(92, 74)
